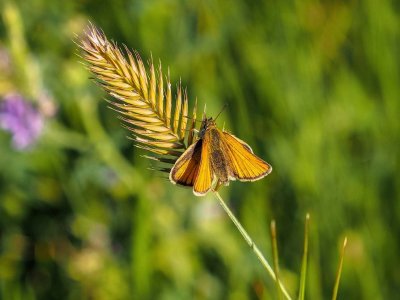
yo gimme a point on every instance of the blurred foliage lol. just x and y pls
(312, 86)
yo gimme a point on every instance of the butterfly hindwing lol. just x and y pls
(243, 164)
(186, 168)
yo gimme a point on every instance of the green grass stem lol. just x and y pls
(304, 263)
(252, 245)
(275, 258)
(339, 272)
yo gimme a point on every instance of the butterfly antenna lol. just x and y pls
(190, 118)
(222, 109)
(204, 112)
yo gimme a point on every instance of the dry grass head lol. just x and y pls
(140, 97)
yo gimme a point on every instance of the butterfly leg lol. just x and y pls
(217, 186)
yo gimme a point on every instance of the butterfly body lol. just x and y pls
(216, 158)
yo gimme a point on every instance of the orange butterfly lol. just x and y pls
(217, 156)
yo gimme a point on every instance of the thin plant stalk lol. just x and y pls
(339, 272)
(252, 245)
(276, 259)
(304, 262)
(143, 99)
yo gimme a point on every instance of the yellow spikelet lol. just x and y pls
(139, 97)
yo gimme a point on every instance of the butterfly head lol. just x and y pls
(208, 122)
(205, 124)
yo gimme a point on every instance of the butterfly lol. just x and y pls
(215, 158)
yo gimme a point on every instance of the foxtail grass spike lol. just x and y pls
(178, 109)
(153, 86)
(184, 119)
(192, 127)
(168, 100)
(160, 92)
(138, 96)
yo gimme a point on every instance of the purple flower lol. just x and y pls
(21, 119)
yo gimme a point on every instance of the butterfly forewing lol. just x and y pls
(204, 177)
(243, 164)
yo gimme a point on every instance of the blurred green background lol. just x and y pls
(312, 86)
